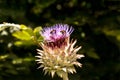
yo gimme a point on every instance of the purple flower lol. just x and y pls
(59, 54)
(56, 35)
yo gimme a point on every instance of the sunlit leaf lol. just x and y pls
(18, 43)
(23, 27)
(22, 35)
(37, 30)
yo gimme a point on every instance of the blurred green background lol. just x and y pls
(97, 30)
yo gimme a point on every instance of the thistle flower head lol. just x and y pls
(56, 32)
(58, 54)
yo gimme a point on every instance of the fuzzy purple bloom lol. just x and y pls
(56, 35)
(56, 32)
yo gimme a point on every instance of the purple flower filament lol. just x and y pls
(56, 35)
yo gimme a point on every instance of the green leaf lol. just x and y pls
(18, 43)
(37, 30)
(23, 27)
(91, 53)
(22, 35)
(24, 42)
(40, 39)
(112, 32)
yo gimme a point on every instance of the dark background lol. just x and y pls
(97, 30)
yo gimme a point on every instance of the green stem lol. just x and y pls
(65, 76)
